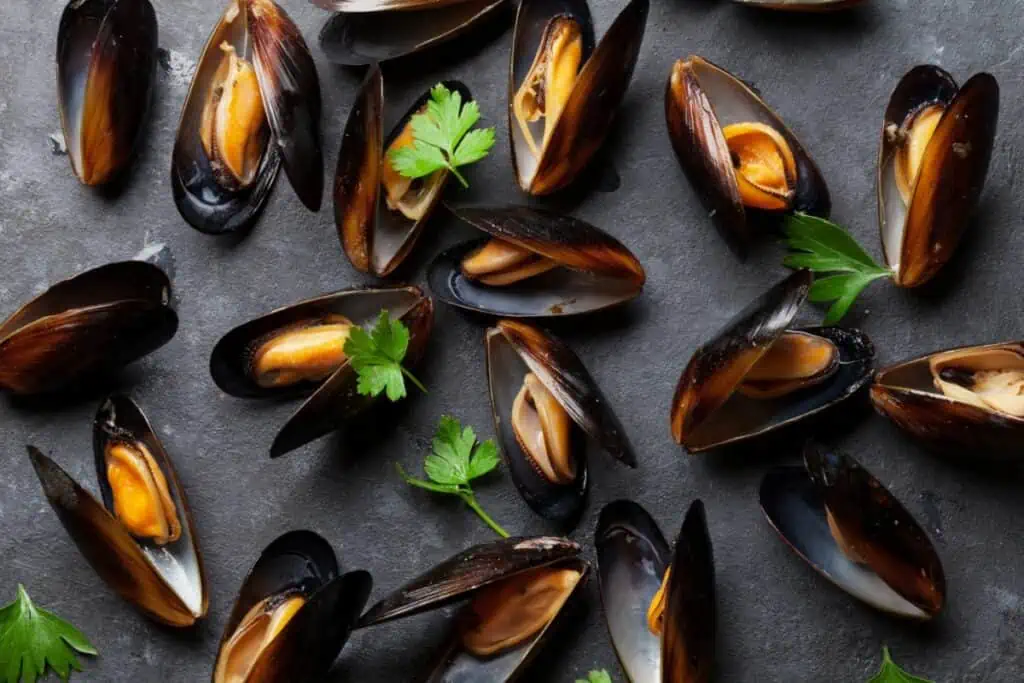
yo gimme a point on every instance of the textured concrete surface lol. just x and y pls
(829, 77)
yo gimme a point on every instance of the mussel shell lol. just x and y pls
(355, 39)
(700, 99)
(903, 574)
(906, 394)
(111, 551)
(337, 401)
(231, 357)
(456, 665)
(381, 240)
(599, 88)
(304, 650)
(85, 326)
(598, 271)
(467, 572)
(106, 49)
(801, 5)
(952, 172)
(372, 6)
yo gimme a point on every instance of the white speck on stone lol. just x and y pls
(1008, 600)
(59, 146)
(178, 67)
(150, 250)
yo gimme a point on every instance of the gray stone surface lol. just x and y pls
(829, 77)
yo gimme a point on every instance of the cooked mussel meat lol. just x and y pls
(849, 527)
(544, 431)
(253, 106)
(536, 263)
(86, 326)
(564, 91)
(741, 158)
(142, 500)
(937, 141)
(309, 351)
(991, 380)
(106, 68)
(257, 630)
(757, 375)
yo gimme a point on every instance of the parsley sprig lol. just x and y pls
(456, 460)
(825, 248)
(442, 137)
(377, 357)
(891, 673)
(596, 677)
(33, 640)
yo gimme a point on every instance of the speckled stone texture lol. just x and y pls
(828, 76)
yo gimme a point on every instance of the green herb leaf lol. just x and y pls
(823, 247)
(32, 640)
(442, 137)
(891, 673)
(377, 357)
(456, 460)
(596, 677)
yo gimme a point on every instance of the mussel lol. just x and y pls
(757, 375)
(845, 524)
(545, 405)
(377, 238)
(563, 92)
(937, 141)
(299, 350)
(965, 400)
(801, 5)
(86, 326)
(254, 105)
(519, 588)
(293, 614)
(659, 604)
(536, 263)
(106, 68)
(140, 539)
(742, 160)
(353, 36)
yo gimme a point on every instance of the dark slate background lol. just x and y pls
(828, 76)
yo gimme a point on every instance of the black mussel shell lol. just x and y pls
(106, 68)
(376, 238)
(708, 413)
(597, 271)
(353, 38)
(594, 101)
(919, 238)
(801, 5)
(167, 584)
(86, 326)
(898, 570)
(467, 572)
(304, 563)
(702, 98)
(368, 6)
(906, 394)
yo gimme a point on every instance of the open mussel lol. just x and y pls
(380, 213)
(968, 400)
(300, 349)
(564, 92)
(845, 524)
(519, 588)
(545, 405)
(86, 326)
(140, 539)
(757, 375)
(106, 68)
(937, 141)
(737, 153)
(537, 263)
(254, 105)
(293, 614)
(353, 36)
(659, 604)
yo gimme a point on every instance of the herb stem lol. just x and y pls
(413, 379)
(458, 175)
(469, 499)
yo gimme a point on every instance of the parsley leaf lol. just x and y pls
(33, 640)
(456, 460)
(442, 137)
(823, 247)
(890, 673)
(596, 677)
(377, 356)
